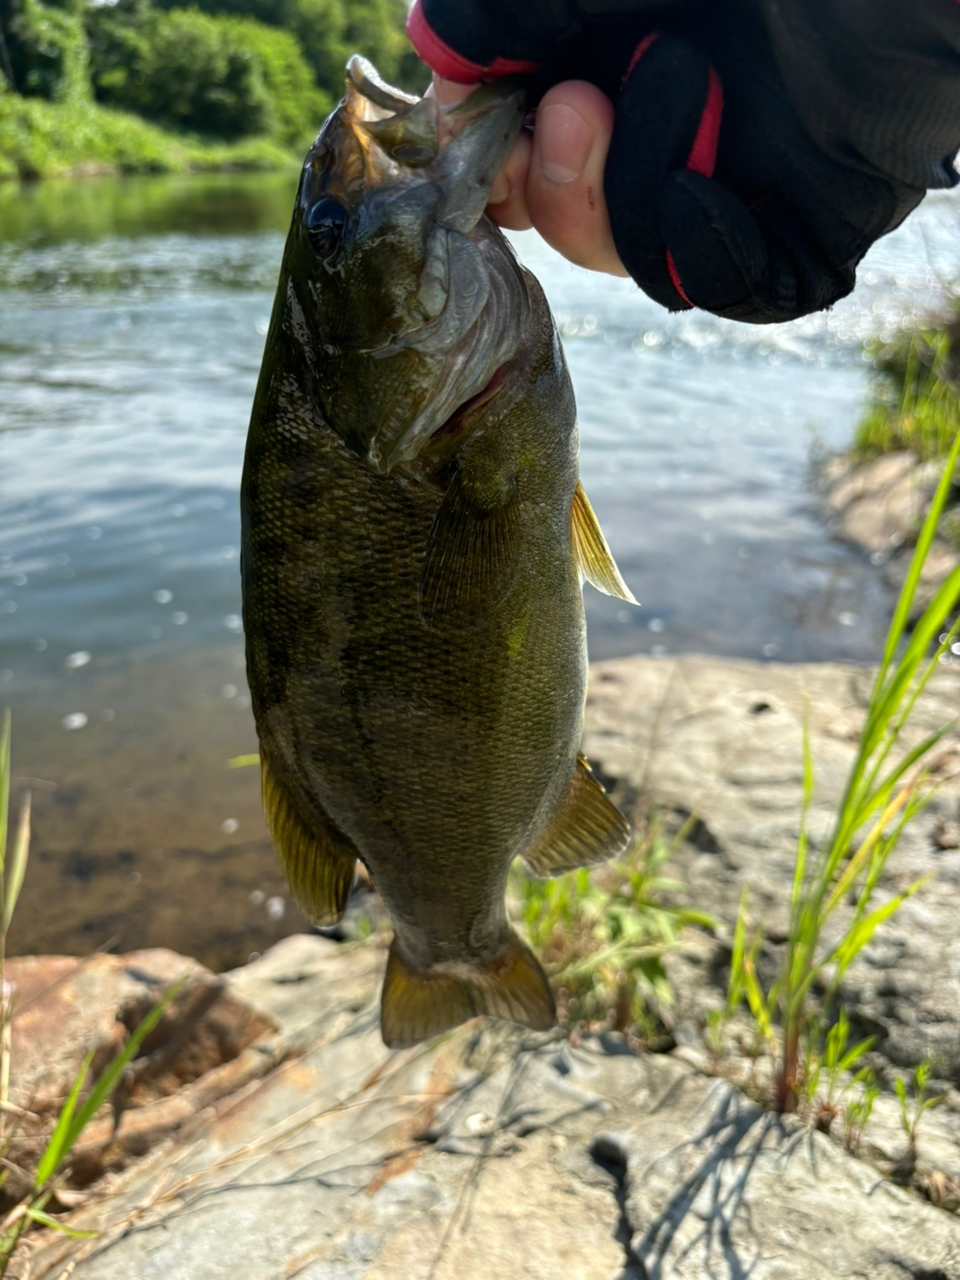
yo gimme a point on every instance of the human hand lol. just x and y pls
(748, 164)
(553, 180)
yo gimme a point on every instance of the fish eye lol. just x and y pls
(413, 154)
(324, 225)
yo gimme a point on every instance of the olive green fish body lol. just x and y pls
(415, 632)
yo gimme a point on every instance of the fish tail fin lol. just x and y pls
(418, 1004)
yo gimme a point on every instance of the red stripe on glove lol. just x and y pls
(675, 278)
(703, 153)
(449, 64)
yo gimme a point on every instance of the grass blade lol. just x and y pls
(115, 1069)
(45, 1220)
(902, 611)
(4, 783)
(57, 1147)
(16, 866)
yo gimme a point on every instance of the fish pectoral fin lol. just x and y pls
(587, 828)
(593, 555)
(418, 1004)
(471, 554)
(319, 862)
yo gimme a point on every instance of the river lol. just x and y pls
(132, 320)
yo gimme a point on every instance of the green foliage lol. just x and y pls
(602, 936)
(264, 70)
(878, 800)
(224, 77)
(46, 48)
(910, 1116)
(42, 139)
(916, 403)
(329, 31)
(851, 1095)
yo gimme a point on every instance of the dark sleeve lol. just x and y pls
(875, 82)
(467, 40)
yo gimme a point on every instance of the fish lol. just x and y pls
(415, 536)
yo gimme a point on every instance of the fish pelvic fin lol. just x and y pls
(418, 1004)
(586, 829)
(593, 555)
(318, 860)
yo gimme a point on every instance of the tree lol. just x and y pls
(228, 77)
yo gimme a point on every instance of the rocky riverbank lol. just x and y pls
(270, 1134)
(880, 505)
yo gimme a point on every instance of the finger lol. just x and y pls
(508, 195)
(564, 188)
(448, 92)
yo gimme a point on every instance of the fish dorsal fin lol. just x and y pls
(420, 1003)
(319, 862)
(586, 829)
(593, 555)
(471, 554)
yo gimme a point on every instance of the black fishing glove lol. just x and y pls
(759, 146)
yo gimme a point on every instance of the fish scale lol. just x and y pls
(414, 536)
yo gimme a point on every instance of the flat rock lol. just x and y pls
(880, 506)
(207, 1043)
(492, 1154)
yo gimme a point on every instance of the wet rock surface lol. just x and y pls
(496, 1154)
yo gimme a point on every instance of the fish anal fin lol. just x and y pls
(318, 860)
(586, 829)
(471, 556)
(593, 555)
(418, 1004)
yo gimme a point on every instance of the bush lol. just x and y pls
(329, 31)
(225, 77)
(42, 139)
(46, 48)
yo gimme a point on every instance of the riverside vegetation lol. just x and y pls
(149, 86)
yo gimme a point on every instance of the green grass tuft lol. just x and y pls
(880, 797)
(602, 936)
(916, 399)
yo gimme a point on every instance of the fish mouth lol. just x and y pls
(394, 190)
(461, 147)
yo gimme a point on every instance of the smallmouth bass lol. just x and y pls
(414, 535)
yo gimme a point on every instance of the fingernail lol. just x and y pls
(562, 141)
